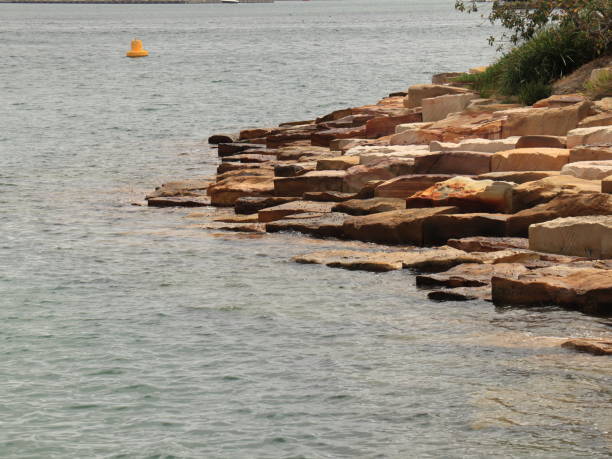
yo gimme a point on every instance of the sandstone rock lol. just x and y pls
(295, 152)
(324, 138)
(344, 145)
(438, 108)
(445, 78)
(519, 177)
(235, 227)
(328, 196)
(470, 275)
(229, 149)
(544, 121)
(350, 121)
(396, 227)
(541, 141)
(294, 169)
(418, 92)
(530, 159)
(226, 192)
(385, 125)
(591, 153)
(372, 154)
(592, 346)
(245, 169)
(606, 185)
(437, 260)
(530, 194)
(438, 229)
(338, 163)
(326, 225)
(255, 133)
(222, 138)
(335, 115)
(588, 290)
(284, 137)
(588, 170)
(356, 177)
(311, 181)
(405, 186)
(480, 145)
(252, 205)
(411, 134)
(194, 187)
(237, 219)
(466, 194)
(247, 158)
(179, 201)
(270, 214)
(354, 260)
(489, 244)
(564, 205)
(455, 163)
(589, 136)
(369, 206)
(560, 100)
(600, 119)
(589, 236)
(461, 294)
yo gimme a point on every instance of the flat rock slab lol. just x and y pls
(281, 211)
(489, 244)
(438, 229)
(587, 290)
(589, 136)
(589, 345)
(455, 163)
(235, 227)
(311, 181)
(229, 149)
(338, 163)
(327, 225)
(405, 186)
(470, 275)
(589, 236)
(358, 176)
(591, 153)
(369, 206)
(226, 192)
(433, 260)
(530, 194)
(180, 201)
(253, 204)
(237, 219)
(589, 170)
(479, 145)
(530, 159)
(564, 205)
(541, 141)
(395, 227)
(461, 294)
(328, 196)
(517, 176)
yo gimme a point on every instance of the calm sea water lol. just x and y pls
(128, 332)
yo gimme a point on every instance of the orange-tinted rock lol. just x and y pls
(541, 141)
(358, 176)
(606, 185)
(369, 206)
(385, 125)
(395, 227)
(229, 149)
(517, 176)
(251, 205)
(470, 275)
(544, 121)
(559, 100)
(324, 138)
(311, 181)
(179, 201)
(588, 290)
(489, 244)
(293, 169)
(564, 205)
(288, 136)
(467, 194)
(530, 159)
(226, 192)
(418, 92)
(530, 194)
(319, 225)
(438, 229)
(194, 187)
(337, 163)
(592, 346)
(255, 133)
(600, 119)
(405, 186)
(270, 214)
(328, 196)
(591, 153)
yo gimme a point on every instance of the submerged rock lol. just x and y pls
(592, 346)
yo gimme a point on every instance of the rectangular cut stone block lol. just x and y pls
(456, 162)
(591, 153)
(438, 108)
(543, 121)
(530, 159)
(589, 136)
(418, 92)
(406, 185)
(589, 236)
(311, 181)
(440, 228)
(271, 214)
(385, 125)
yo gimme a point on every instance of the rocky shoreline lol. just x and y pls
(497, 202)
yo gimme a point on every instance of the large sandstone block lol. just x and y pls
(467, 194)
(370, 155)
(357, 177)
(588, 170)
(589, 136)
(369, 206)
(589, 236)
(564, 205)
(385, 125)
(606, 185)
(311, 181)
(395, 227)
(456, 163)
(438, 108)
(270, 214)
(438, 229)
(313, 224)
(543, 121)
(481, 145)
(324, 138)
(417, 93)
(591, 153)
(337, 163)
(530, 159)
(541, 141)
(251, 205)
(406, 185)
(536, 192)
(588, 290)
(517, 176)
(226, 192)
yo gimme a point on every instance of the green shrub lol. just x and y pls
(529, 69)
(600, 86)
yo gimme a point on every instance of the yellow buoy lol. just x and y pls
(137, 49)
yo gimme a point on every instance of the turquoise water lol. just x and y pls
(128, 332)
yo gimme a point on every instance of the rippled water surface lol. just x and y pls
(128, 332)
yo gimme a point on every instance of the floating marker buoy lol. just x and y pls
(137, 49)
